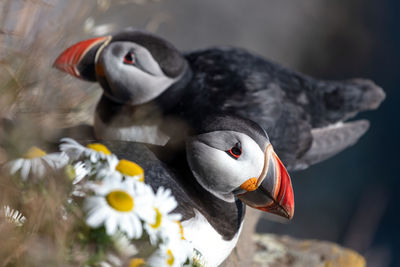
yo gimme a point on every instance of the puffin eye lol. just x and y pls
(129, 59)
(235, 151)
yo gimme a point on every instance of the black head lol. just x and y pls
(231, 156)
(132, 66)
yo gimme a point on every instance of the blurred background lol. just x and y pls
(350, 199)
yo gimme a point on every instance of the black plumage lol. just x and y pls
(286, 103)
(304, 116)
(225, 217)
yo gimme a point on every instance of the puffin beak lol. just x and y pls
(272, 191)
(71, 58)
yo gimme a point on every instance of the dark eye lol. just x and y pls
(129, 58)
(235, 151)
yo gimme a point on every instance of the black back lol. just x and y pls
(286, 103)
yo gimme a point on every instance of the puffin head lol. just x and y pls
(133, 67)
(233, 157)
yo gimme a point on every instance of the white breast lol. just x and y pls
(209, 242)
(149, 133)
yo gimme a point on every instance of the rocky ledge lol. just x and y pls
(283, 251)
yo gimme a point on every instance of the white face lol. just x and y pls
(215, 168)
(132, 73)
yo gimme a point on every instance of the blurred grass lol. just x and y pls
(40, 99)
(34, 32)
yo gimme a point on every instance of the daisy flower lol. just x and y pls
(119, 205)
(130, 169)
(37, 162)
(96, 157)
(14, 216)
(172, 254)
(94, 152)
(122, 169)
(166, 223)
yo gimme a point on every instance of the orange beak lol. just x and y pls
(69, 61)
(273, 191)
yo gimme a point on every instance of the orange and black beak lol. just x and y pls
(79, 59)
(272, 191)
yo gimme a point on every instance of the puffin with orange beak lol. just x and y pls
(228, 163)
(146, 80)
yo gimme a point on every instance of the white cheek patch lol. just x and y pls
(248, 165)
(219, 172)
(142, 85)
(251, 162)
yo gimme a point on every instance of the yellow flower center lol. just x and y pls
(34, 152)
(137, 262)
(170, 259)
(130, 168)
(120, 200)
(180, 229)
(158, 219)
(99, 148)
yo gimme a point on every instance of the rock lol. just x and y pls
(283, 251)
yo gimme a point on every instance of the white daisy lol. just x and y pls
(122, 169)
(37, 162)
(14, 216)
(94, 152)
(130, 169)
(166, 224)
(96, 157)
(119, 205)
(172, 254)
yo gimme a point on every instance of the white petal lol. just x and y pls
(137, 226)
(111, 224)
(93, 157)
(40, 169)
(126, 226)
(56, 161)
(15, 165)
(96, 218)
(92, 203)
(26, 166)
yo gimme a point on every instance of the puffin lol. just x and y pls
(229, 163)
(153, 93)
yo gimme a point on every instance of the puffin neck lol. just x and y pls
(173, 94)
(108, 108)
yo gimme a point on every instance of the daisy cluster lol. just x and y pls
(116, 202)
